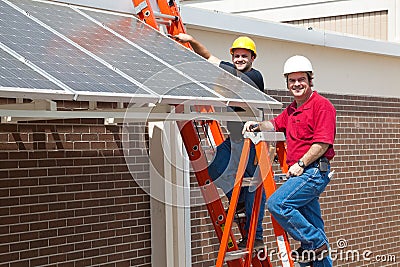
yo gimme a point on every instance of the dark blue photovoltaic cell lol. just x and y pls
(14, 73)
(57, 57)
(137, 64)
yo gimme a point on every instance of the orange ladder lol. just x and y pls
(169, 18)
(261, 141)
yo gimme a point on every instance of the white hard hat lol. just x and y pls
(297, 64)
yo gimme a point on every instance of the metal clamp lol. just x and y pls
(257, 137)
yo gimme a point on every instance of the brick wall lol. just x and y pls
(361, 205)
(67, 197)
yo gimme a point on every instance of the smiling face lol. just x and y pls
(299, 85)
(242, 59)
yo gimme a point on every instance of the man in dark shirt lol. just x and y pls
(224, 166)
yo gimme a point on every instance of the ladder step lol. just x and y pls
(241, 253)
(234, 255)
(250, 181)
(165, 16)
(280, 177)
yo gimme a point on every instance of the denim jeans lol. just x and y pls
(222, 171)
(295, 205)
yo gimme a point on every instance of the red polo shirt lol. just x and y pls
(312, 122)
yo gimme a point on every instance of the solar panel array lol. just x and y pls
(88, 53)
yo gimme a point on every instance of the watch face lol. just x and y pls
(301, 163)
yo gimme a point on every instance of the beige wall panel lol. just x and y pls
(384, 27)
(336, 70)
(374, 30)
(349, 24)
(370, 25)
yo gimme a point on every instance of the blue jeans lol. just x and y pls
(295, 205)
(222, 171)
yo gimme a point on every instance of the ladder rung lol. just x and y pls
(164, 22)
(234, 255)
(249, 181)
(165, 16)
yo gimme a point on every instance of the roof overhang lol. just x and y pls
(216, 21)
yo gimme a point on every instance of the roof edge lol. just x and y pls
(216, 21)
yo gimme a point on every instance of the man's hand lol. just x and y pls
(197, 47)
(251, 126)
(258, 126)
(295, 170)
(183, 37)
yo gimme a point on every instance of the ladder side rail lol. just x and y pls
(216, 131)
(145, 12)
(233, 203)
(253, 225)
(270, 187)
(281, 151)
(209, 191)
(169, 7)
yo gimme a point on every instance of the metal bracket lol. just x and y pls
(257, 137)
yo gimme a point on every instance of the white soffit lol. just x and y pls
(217, 21)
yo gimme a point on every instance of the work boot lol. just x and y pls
(301, 255)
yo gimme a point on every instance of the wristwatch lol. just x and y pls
(301, 163)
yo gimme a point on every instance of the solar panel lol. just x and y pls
(14, 73)
(182, 59)
(117, 52)
(147, 38)
(101, 53)
(57, 57)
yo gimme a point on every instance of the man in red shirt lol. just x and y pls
(309, 124)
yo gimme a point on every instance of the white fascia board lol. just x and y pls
(295, 9)
(234, 6)
(362, 45)
(224, 22)
(320, 10)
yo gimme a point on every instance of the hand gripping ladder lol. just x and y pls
(261, 141)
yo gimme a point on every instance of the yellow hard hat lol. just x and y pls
(244, 42)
